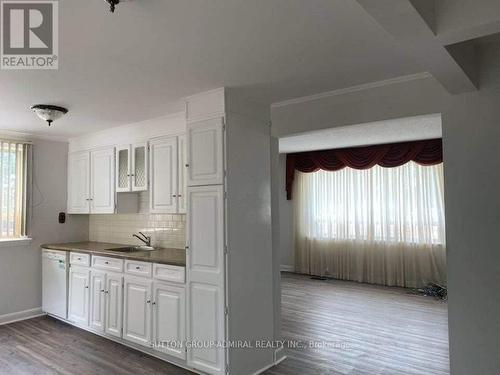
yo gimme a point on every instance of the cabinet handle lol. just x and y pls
(179, 195)
(174, 195)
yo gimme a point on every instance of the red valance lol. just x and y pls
(427, 152)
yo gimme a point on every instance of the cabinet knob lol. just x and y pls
(154, 303)
(107, 292)
(187, 165)
(174, 195)
(137, 268)
(86, 286)
(102, 290)
(106, 262)
(148, 301)
(179, 195)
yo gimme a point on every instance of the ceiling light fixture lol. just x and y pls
(112, 4)
(48, 112)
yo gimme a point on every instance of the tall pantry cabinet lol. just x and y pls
(229, 251)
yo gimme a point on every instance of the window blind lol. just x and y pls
(13, 188)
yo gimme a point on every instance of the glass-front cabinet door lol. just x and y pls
(139, 175)
(123, 168)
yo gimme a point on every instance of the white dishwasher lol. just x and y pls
(55, 282)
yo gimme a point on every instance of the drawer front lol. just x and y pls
(107, 263)
(79, 259)
(134, 267)
(165, 272)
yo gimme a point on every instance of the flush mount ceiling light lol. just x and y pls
(112, 4)
(49, 112)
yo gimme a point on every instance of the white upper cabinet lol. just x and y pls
(79, 183)
(205, 150)
(91, 180)
(163, 164)
(132, 167)
(169, 320)
(102, 194)
(123, 168)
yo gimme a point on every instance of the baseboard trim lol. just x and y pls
(21, 315)
(287, 268)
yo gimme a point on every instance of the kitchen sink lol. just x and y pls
(131, 249)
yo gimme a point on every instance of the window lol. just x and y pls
(391, 205)
(13, 183)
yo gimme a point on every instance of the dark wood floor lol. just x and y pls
(369, 329)
(373, 329)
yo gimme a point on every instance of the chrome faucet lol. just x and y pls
(143, 238)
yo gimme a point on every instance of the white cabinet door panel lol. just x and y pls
(206, 324)
(97, 300)
(78, 183)
(123, 168)
(78, 309)
(205, 276)
(139, 172)
(137, 310)
(163, 165)
(169, 319)
(205, 146)
(102, 190)
(114, 304)
(182, 170)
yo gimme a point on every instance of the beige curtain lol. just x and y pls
(381, 225)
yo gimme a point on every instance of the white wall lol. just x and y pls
(471, 138)
(471, 126)
(20, 266)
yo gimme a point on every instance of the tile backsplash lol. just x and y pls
(165, 230)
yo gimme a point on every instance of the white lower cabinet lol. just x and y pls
(106, 302)
(78, 309)
(145, 310)
(97, 299)
(114, 304)
(169, 324)
(137, 310)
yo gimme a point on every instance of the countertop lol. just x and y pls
(175, 257)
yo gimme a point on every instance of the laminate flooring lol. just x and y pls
(337, 327)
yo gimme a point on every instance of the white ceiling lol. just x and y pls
(397, 130)
(137, 63)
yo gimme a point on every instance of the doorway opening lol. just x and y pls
(362, 249)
